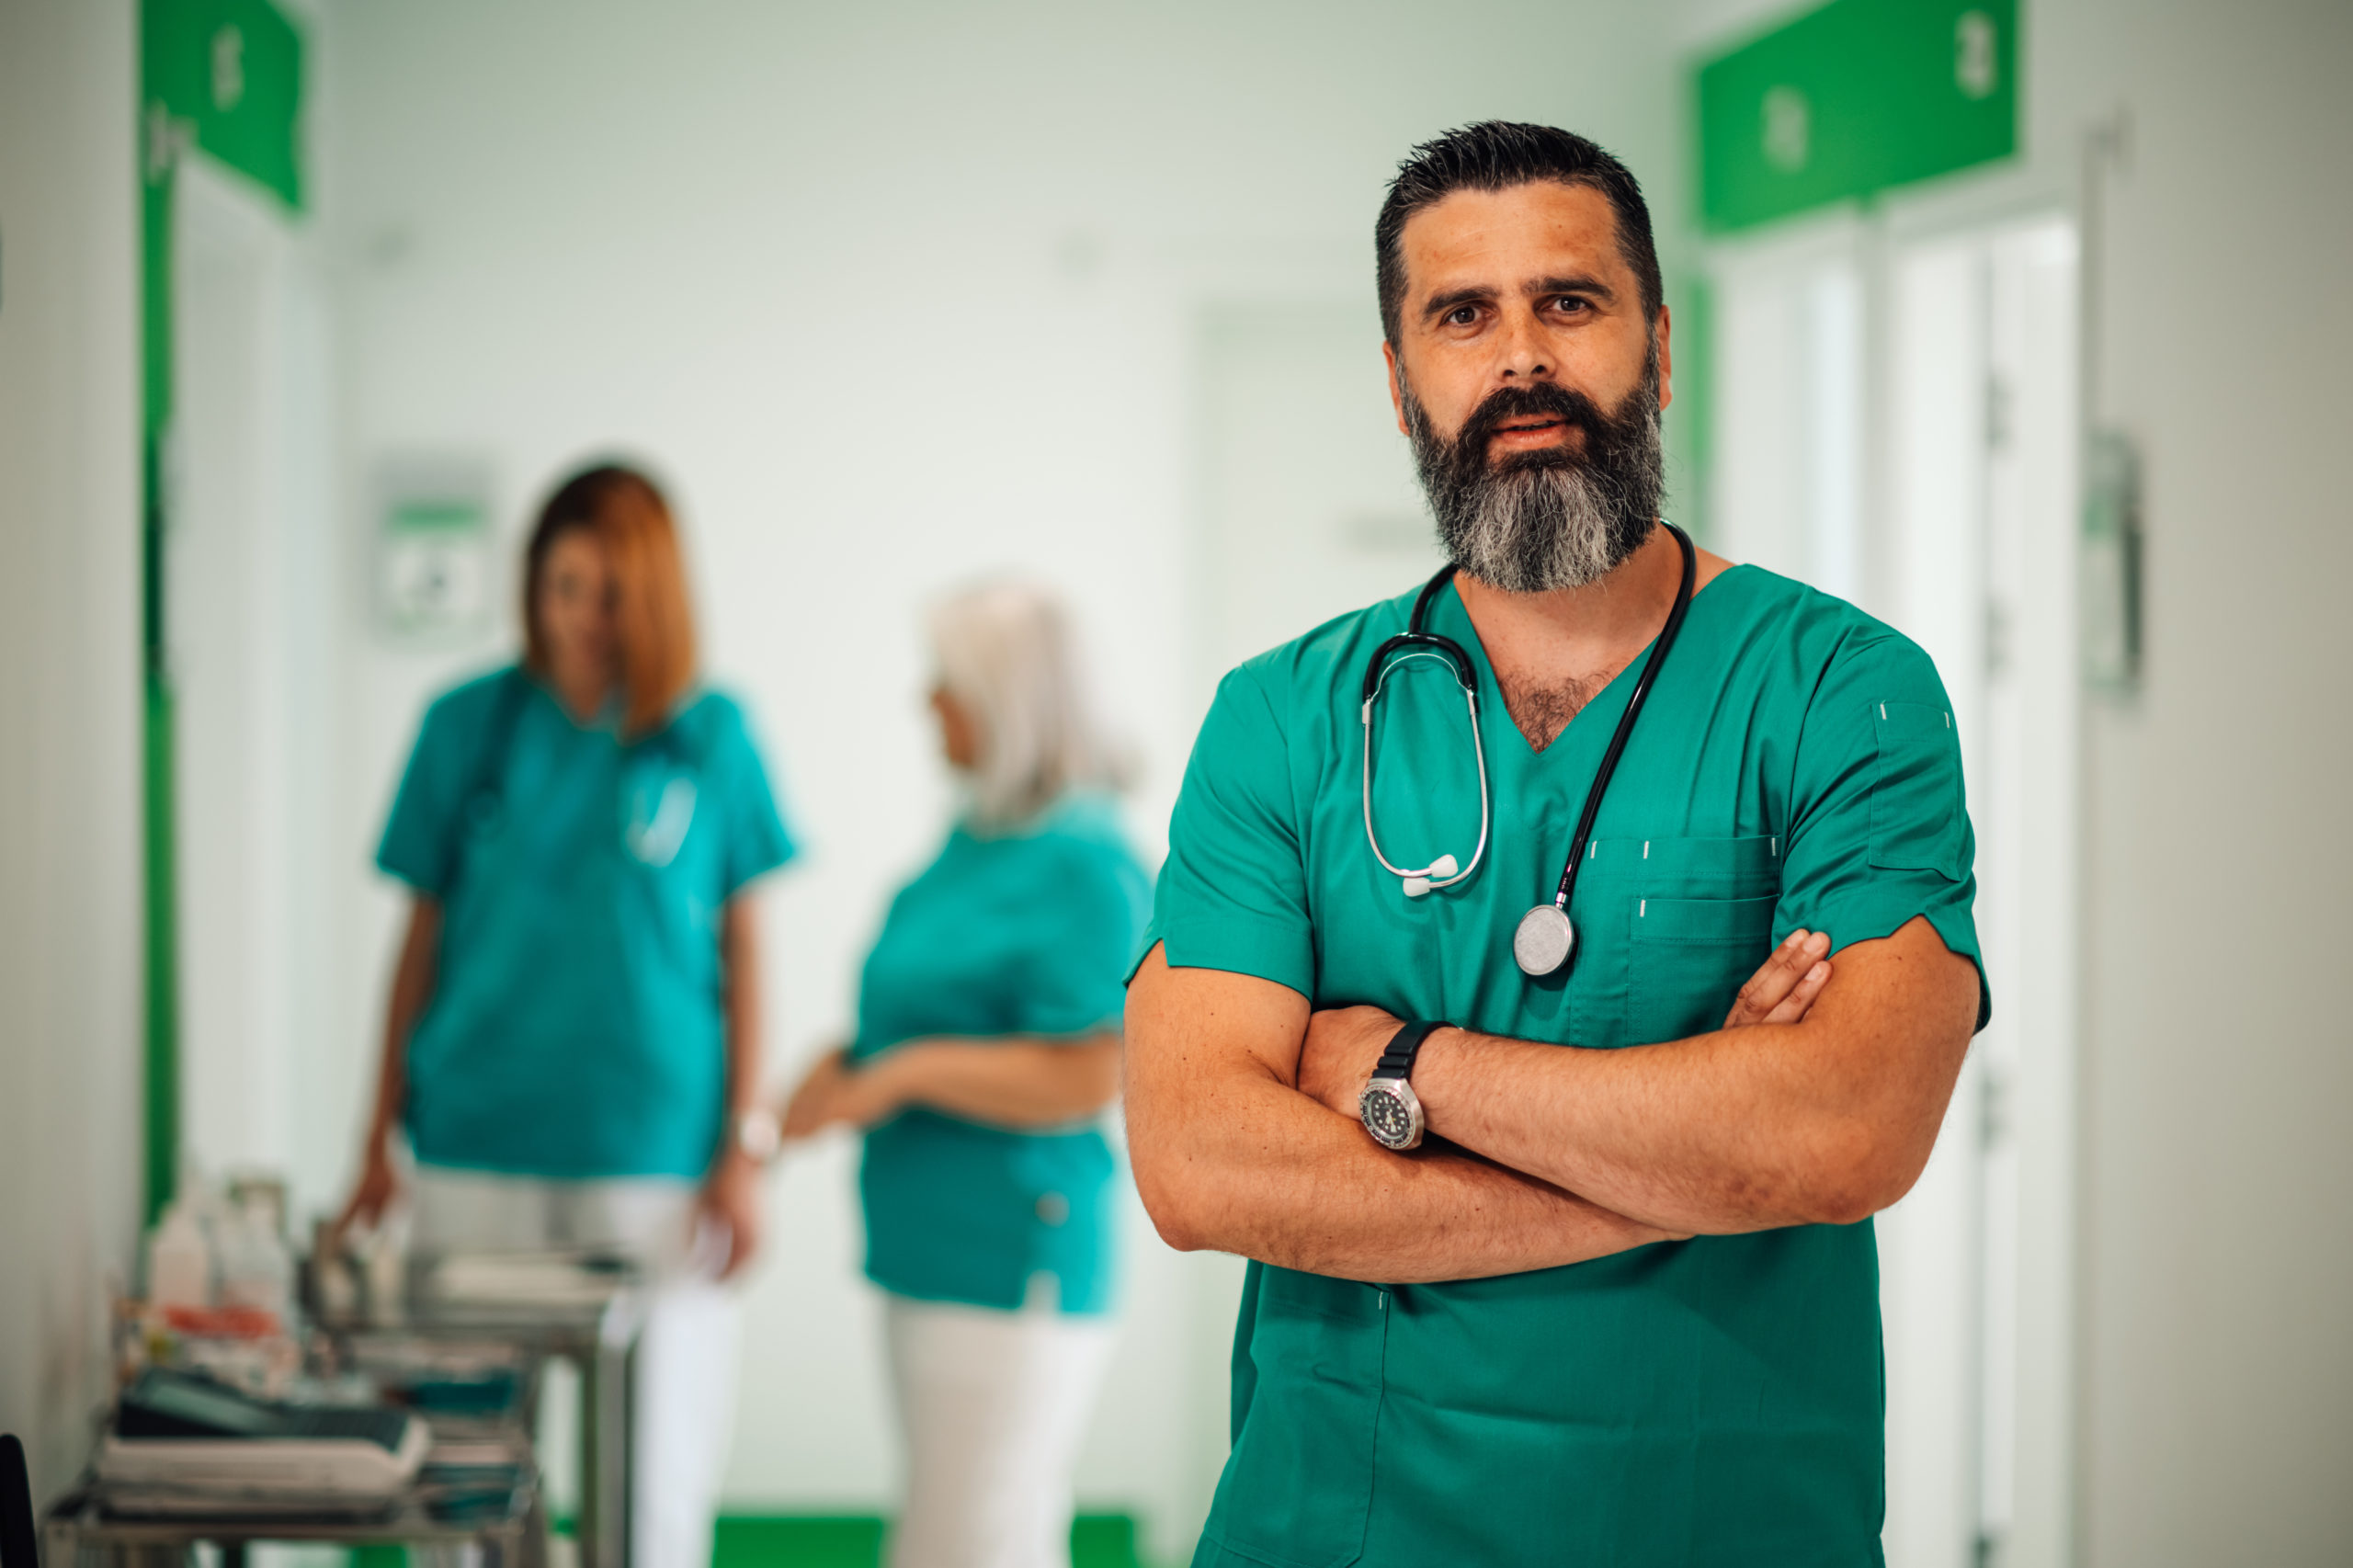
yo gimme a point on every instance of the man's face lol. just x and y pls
(1527, 376)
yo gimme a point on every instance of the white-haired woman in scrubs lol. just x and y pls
(572, 1041)
(987, 1050)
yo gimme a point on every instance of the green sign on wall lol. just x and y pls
(229, 74)
(1852, 98)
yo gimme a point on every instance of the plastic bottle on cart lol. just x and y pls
(255, 1269)
(179, 1260)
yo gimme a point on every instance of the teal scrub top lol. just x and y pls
(1024, 932)
(1717, 1400)
(575, 1027)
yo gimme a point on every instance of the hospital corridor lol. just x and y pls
(1041, 785)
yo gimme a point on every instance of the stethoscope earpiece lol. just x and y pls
(1441, 871)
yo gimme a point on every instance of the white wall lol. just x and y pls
(2217, 1371)
(69, 711)
(894, 294)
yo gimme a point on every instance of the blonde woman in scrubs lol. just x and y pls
(571, 1044)
(987, 1049)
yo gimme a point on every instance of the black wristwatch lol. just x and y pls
(1391, 1110)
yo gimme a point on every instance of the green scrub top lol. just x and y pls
(1718, 1400)
(1021, 933)
(575, 1027)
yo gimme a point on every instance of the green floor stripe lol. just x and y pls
(855, 1541)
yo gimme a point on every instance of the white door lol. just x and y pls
(249, 604)
(1896, 424)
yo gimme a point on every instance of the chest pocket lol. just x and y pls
(663, 852)
(1698, 926)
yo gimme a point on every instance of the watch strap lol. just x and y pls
(1397, 1061)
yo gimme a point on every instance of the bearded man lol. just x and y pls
(1561, 1245)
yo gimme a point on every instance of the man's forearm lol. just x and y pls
(1672, 1133)
(1739, 1130)
(1261, 1170)
(1230, 1154)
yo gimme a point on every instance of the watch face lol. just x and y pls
(1391, 1113)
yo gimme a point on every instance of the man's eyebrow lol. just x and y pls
(1579, 284)
(1438, 304)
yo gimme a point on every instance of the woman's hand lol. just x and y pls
(810, 1108)
(378, 1187)
(1783, 990)
(730, 1202)
(833, 1091)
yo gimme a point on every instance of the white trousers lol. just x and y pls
(992, 1405)
(685, 1387)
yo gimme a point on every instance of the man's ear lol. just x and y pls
(1396, 391)
(1665, 360)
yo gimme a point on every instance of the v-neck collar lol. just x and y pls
(1449, 600)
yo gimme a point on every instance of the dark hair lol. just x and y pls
(1498, 154)
(626, 515)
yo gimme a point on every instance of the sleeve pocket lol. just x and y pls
(1916, 817)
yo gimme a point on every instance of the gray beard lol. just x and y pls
(1552, 520)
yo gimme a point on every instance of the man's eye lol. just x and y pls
(1572, 305)
(1462, 315)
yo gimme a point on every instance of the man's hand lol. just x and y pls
(1343, 1044)
(1783, 991)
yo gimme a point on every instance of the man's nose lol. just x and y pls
(1524, 358)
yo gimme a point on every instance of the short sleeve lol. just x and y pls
(421, 837)
(758, 840)
(1074, 976)
(1879, 825)
(1232, 894)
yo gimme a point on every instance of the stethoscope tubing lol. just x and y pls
(1479, 749)
(1417, 643)
(1625, 728)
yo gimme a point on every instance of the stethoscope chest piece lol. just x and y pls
(1544, 940)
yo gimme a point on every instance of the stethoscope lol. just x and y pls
(1545, 937)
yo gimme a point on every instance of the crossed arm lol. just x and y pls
(1817, 1102)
